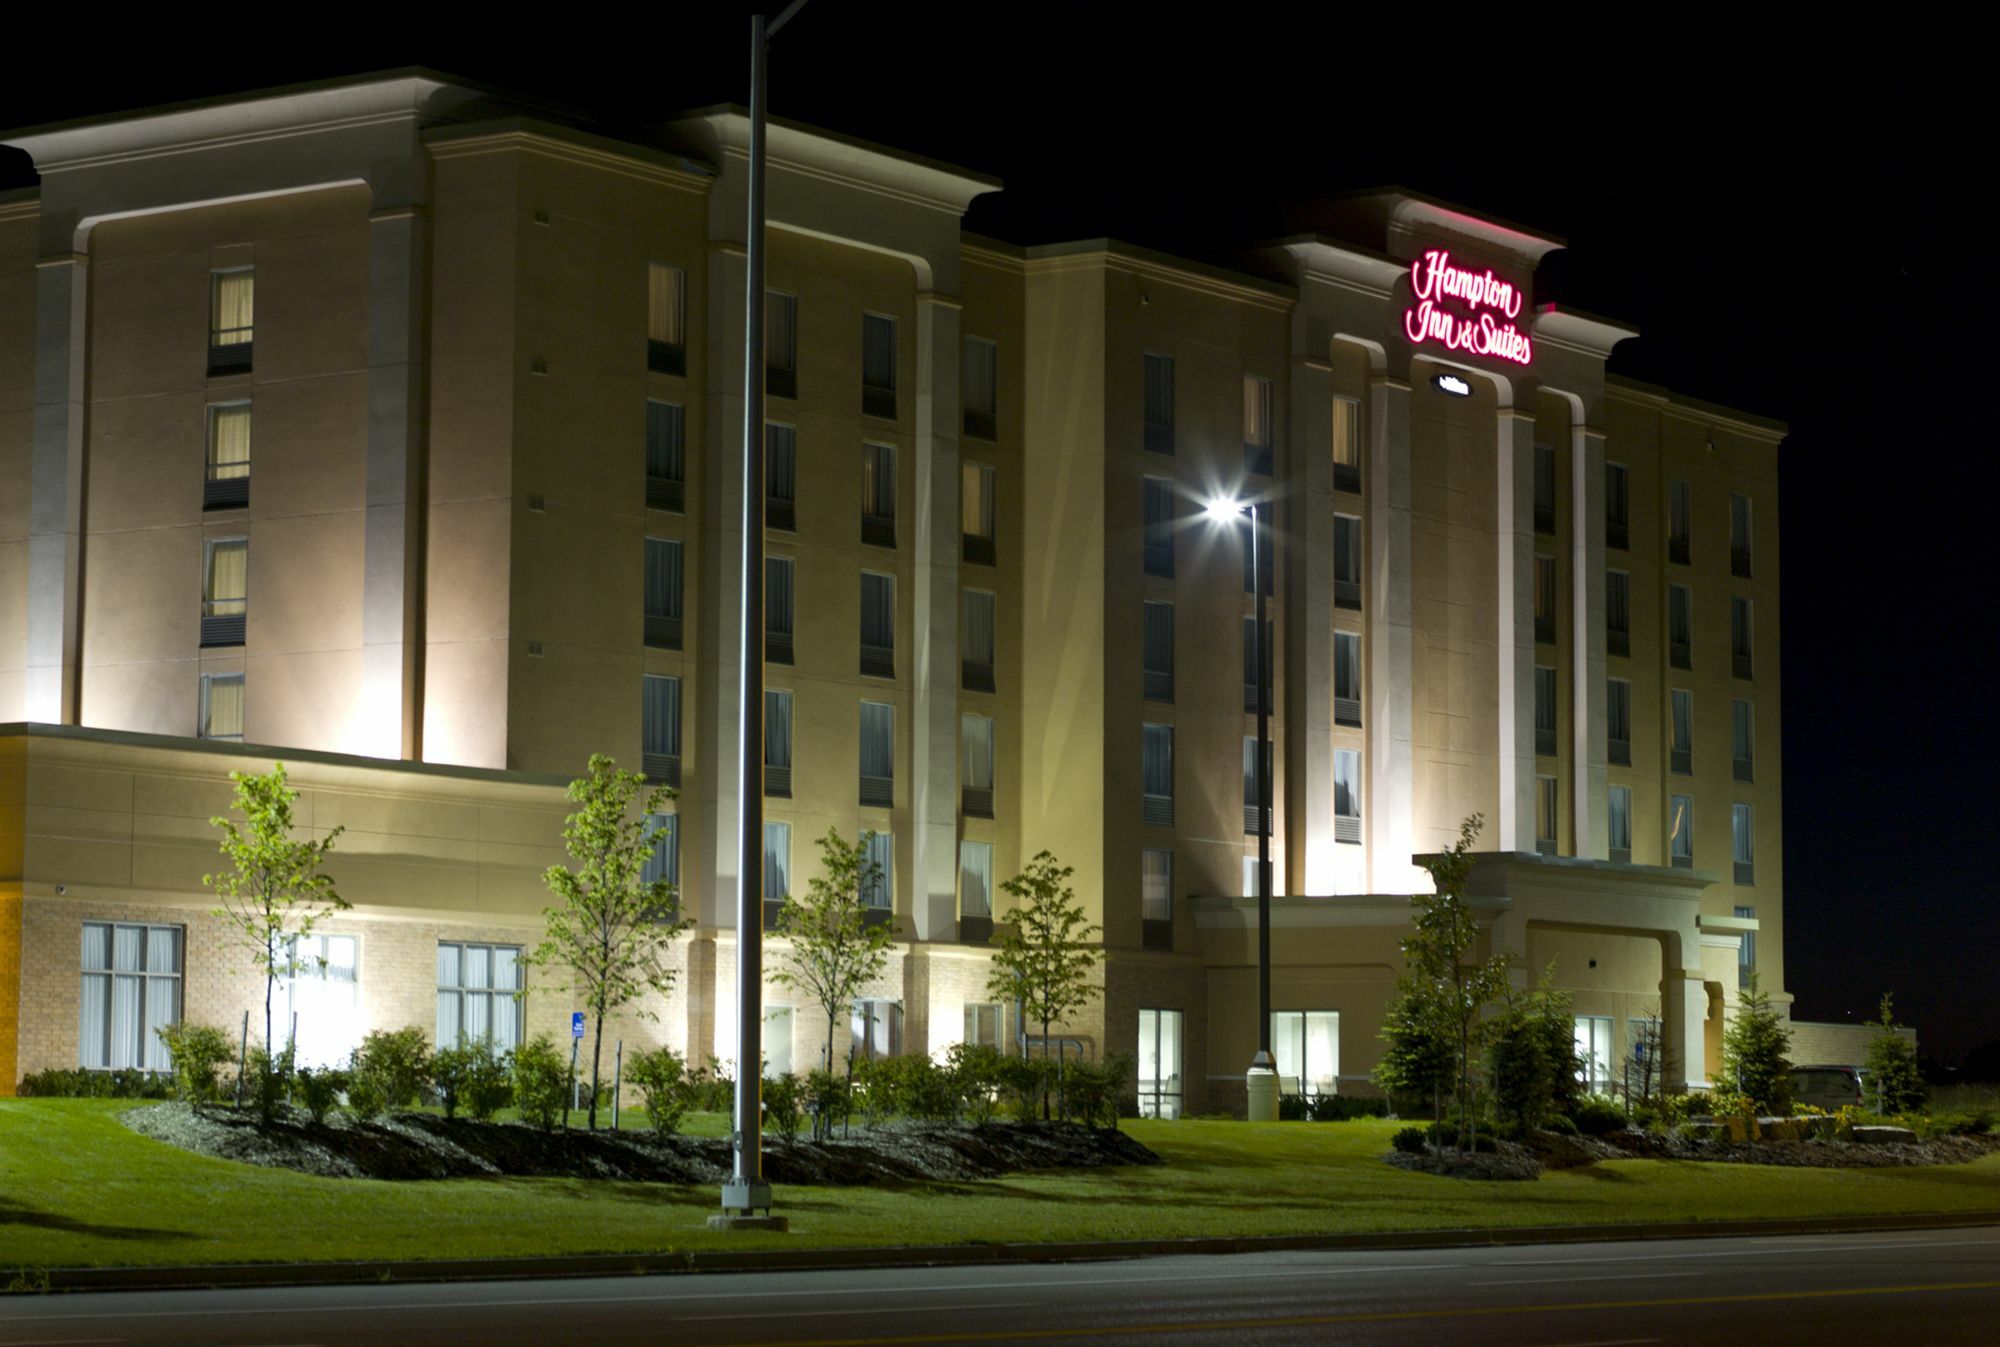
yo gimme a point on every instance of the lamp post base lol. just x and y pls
(1260, 1084)
(734, 1220)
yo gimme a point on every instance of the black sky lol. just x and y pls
(1794, 220)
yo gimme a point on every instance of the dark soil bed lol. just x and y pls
(425, 1146)
(1551, 1150)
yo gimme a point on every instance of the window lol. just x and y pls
(875, 1030)
(878, 870)
(878, 366)
(1347, 678)
(1256, 663)
(131, 987)
(1156, 896)
(660, 729)
(975, 879)
(321, 999)
(1347, 561)
(1740, 648)
(1739, 537)
(1680, 626)
(1742, 742)
(1545, 489)
(228, 481)
(778, 742)
(1621, 823)
(478, 997)
(231, 320)
(1682, 743)
(976, 641)
(1257, 425)
(1156, 771)
(1743, 843)
(1253, 784)
(666, 319)
(982, 1023)
(666, 457)
(981, 389)
(1346, 795)
(222, 707)
(663, 594)
(976, 737)
(1158, 507)
(1618, 613)
(1680, 510)
(1545, 600)
(1259, 554)
(777, 861)
(781, 344)
(225, 591)
(878, 625)
(1306, 1044)
(1157, 650)
(976, 513)
(1545, 711)
(1346, 444)
(1618, 721)
(781, 478)
(1680, 830)
(878, 755)
(1746, 952)
(1593, 1052)
(1159, 403)
(778, 610)
(878, 495)
(1617, 507)
(777, 1042)
(1159, 1063)
(665, 861)
(1545, 815)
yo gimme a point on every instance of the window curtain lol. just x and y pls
(981, 376)
(975, 879)
(1256, 411)
(662, 715)
(665, 287)
(1159, 760)
(1683, 720)
(229, 442)
(878, 611)
(94, 1014)
(663, 578)
(781, 313)
(234, 318)
(1680, 823)
(664, 863)
(976, 500)
(1677, 510)
(1545, 809)
(1740, 730)
(1159, 638)
(1680, 615)
(1621, 818)
(1618, 710)
(1250, 773)
(1346, 783)
(224, 701)
(1739, 626)
(878, 351)
(1347, 432)
(1617, 601)
(777, 860)
(778, 595)
(1346, 548)
(878, 480)
(781, 457)
(777, 728)
(1346, 665)
(881, 860)
(1545, 699)
(1742, 835)
(1156, 884)
(1159, 512)
(978, 634)
(976, 732)
(665, 457)
(228, 577)
(878, 739)
(1160, 391)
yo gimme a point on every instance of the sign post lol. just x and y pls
(575, 1045)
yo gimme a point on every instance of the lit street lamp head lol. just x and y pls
(1223, 510)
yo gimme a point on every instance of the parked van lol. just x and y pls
(1826, 1087)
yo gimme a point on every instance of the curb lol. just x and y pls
(216, 1276)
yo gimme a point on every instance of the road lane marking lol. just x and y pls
(1614, 1277)
(886, 1309)
(1820, 1248)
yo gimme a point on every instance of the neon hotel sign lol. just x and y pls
(1465, 310)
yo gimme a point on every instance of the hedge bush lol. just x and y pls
(198, 1053)
(1596, 1116)
(665, 1086)
(317, 1090)
(388, 1071)
(77, 1083)
(473, 1077)
(541, 1082)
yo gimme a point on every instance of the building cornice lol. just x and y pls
(571, 146)
(1133, 260)
(982, 251)
(22, 203)
(1579, 332)
(1637, 392)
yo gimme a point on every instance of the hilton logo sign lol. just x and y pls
(1465, 310)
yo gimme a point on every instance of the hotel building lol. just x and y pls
(390, 429)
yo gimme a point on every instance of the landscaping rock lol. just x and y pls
(1510, 1163)
(1885, 1136)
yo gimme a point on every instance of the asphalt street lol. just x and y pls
(1914, 1287)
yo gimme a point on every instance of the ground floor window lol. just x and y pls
(1160, 1063)
(875, 1029)
(982, 1024)
(1306, 1044)
(320, 1000)
(477, 995)
(1644, 1061)
(777, 1041)
(1593, 1051)
(131, 988)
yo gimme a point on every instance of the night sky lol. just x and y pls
(1790, 221)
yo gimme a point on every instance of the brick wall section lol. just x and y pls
(10, 988)
(1836, 1044)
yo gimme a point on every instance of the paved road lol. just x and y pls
(1913, 1287)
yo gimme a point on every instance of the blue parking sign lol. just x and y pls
(576, 1024)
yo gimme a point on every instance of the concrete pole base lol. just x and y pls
(729, 1220)
(1261, 1085)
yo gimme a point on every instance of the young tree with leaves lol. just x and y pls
(274, 893)
(1045, 953)
(1418, 1059)
(612, 928)
(1893, 1075)
(834, 951)
(1753, 1050)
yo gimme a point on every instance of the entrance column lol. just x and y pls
(1684, 1030)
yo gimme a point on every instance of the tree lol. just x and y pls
(1418, 1060)
(835, 952)
(1045, 954)
(611, 927)
(1531, 1055)
(1644, 1081)
(1754, 1047)
(274, 893)
(1892, 1068)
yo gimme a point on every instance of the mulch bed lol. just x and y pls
(425, 1146)
(1551, 1150)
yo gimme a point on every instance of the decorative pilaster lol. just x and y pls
(1591, 786)
(934, 681)
(55, 487)
(1514, 536)
(1387, 808)
(1307, 534)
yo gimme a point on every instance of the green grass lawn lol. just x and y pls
(78, 1188)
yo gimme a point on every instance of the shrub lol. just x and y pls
(913, 1086)
(717, 1087)
(472, 1077)
(541, 1082)
(77, 1083)
(976, 1071)
(198, 1054)
(1410, 1141)
(318, 1090)
(1092, 1090)
(1025, 1081)
(1563, 1125)
(828, 1098)
(1444, 1136)
(270, 1080)
(1893, 1076)
(1344, 1107)
(1293, 1108)
(390, 1068)
(1753, 1051)
(877, 1089)
(489, 1087)
(1596, 1116)
(784, 1104)
(666, 1087)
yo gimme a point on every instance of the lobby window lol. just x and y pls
(1157, 511)
(1257, 425)
(777, 861)
(1618, 613)
(1593, 1052)
(666, 457)
(225, 591)
(1620, 820)
(1156, 773)
(1680, 831)
(1681, 715)
(1156, 897)
(1262, 557)
(1346, 445)
(321, 998)
(222, 707)
(1618, 722)
(778, 1022)
(875, 1029)
(1545, 489)
(227, 485)
(664, 862)
(232, 296)
(1617, 507)
(1680, 512)
(976, 641)
(1743, 842)
(666, 319)
(976, 513)
(1545, 815)
(975, 734)
(1347, 561)
(781, 344)
(131, 987)
(1740, 648)
(981, 389)
(1254, 776)
(1739, 537)
(1680, 626)
(1306, 1046)
(983, 1021)
(878, 755)
(1159, 403)
(1545, 600)
(1545, 711)
(878, 495)
(1347, 679)
(781, 478)
(778, 573)
(778, 743)
(1160, 1063)
(878, 871)
(478, 995)
(1256, 663)
(1346, 795)
(1157, 650)
(663, 594)
(1742, 742)
(975, 879)
(1746, 952)
(878, 625)
(878, 366)
(660, 729)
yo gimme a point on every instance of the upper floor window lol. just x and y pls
(1739, 536)
(976, 513)
(1545, 711)
(1545, 600)
(232, 329)
(1254, 777)
(1256, 663)
(878, 755)
(664, 862)
(225, 591)
(1618, 613)
(975, 879)
(1347, 561)
(778, 572)
(1157, 650)
(1680, 626)
(1346, 444)
(222, 707)
(1347, 678)
(976, 789)
(1346, 795)
(1158, 512)
(878, 366)
(1681, 718)
(1257, 425)
(781, 478)
(1545, 815)
(1545, 489)
(1156, 773)
(1742, 742)
(1743, 842)
(1617, 506)
(878, 495)
(1680, 831)
(1680, 514)
(660, 728)
(976, 641)
(781, 344)
(1159, 403)
(878, 870)
(878, 625)
(663, 593)
(1618, 722)
(228, 480)
(1746, 952)
(1156, 897)
(666, 457)
(666, 319)
(1741, 650)
(777, 860)
(981, 390)
(1620, 822)
(778, 742)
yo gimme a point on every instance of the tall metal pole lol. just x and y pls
(1264, 773)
